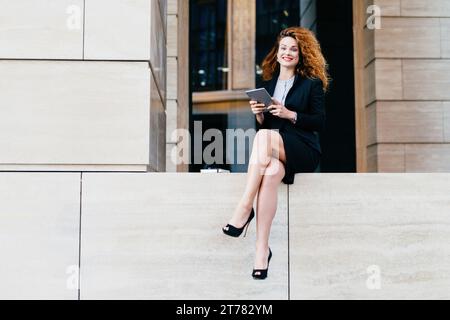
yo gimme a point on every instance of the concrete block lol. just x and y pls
(73, 112)
(158, 236)
(426, 79)
(350, 232)
(39, 232)
(118, 30)
(408, 38)
(425, 8)
(44, 29)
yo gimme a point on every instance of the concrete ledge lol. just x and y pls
(157, 236)
(350, 231)
(39, 231)
(72, 167)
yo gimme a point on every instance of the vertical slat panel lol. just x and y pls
(243, 44)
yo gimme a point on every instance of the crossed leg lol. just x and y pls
(266, 208)
(267, 145)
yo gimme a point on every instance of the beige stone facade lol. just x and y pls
(83, 85)
(402, 73)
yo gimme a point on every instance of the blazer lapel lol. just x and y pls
(297, 81)
(272, 84)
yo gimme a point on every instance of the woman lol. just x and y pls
(296, 76)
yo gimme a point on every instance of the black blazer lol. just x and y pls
(306, 97)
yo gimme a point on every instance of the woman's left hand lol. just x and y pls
(277, 109)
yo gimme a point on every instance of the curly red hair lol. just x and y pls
(312, 64)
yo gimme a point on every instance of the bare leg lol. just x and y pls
(266, 209)
(267, 144)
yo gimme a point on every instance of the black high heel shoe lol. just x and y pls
(260, 274)
(232, 231)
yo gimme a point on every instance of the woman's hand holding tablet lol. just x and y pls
(257, 108)
(260, 100)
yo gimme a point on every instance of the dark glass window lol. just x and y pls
(209, 45)
(272, 16)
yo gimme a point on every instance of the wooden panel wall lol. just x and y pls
(243, 37)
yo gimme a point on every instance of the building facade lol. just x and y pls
(88, 89)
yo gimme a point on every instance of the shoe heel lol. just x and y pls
(252, 214)
(246, 228)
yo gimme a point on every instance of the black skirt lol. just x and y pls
(300, 157)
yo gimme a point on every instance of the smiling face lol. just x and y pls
(288, 53)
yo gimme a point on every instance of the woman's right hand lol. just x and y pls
(257, 108)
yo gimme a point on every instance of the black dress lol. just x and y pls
(301, 142)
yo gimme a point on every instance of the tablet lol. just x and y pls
(261, 95)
